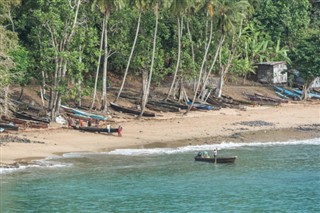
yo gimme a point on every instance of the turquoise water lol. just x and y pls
(267, 177)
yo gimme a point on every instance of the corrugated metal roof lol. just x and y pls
(272, 63)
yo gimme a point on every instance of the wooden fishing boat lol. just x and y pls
(26, 123)
(204, 157)
(80, 117)
(310, 94)
(201, 106)
(216, 160)
(130, 110)
(83, 114)
(287, 93)
(14, 120)
(94, 129)
(26, 116)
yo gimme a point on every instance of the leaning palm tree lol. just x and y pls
(141, 5)
(211, 13)
(229, 14)
(178, 9)
(105, 8)
(155, 4)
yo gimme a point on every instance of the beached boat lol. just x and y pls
(26, 123)
(201, 106)
(94, 129)
(281, 95)
(130, 110)
(83, 114)
(204, 157)
(310, 94)
(80, 117)
(14, 120)
(287, 93)
(26, 116)
(9, 126)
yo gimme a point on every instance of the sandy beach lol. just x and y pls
(291, 121)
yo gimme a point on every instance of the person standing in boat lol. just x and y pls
(120, 131)
(108, 128)
(215, 152)
(89, 122)
(70, 122)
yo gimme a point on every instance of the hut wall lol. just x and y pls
(279, 74)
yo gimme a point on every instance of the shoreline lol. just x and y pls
(264, 124)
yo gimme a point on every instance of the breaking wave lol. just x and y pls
(223, 145)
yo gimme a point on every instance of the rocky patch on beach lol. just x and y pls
(8, 138)
(257, 123)
(311, 127)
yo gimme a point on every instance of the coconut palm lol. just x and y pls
(211, 13)
(178, 9)
(229, 14)
(105, 7)
(141, 4)
(155, 4)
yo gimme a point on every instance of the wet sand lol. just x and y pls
(255, 124)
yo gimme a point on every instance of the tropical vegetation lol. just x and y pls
(70, 47)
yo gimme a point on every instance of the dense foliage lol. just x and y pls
(73, 45)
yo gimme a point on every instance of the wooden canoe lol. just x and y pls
(130, 110)
(8, 126)
(94, 129)
(218, 160)
(26, 116)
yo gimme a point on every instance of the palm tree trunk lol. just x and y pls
(98, 66)
(152, 62)
(213, 63)
(179, 56)
(201, 69)
(191, 42)
(6, 100)
(79, 78)
(105, 67)
(131, 53)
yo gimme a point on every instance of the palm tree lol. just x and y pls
(141, 4)
(105, 7)
(229, 14)
(155, 4)
(211, 13)
(98, 67)
(178, 9)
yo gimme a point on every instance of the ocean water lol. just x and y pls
(266, 177)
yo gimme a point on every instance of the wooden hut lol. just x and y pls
(272, 72)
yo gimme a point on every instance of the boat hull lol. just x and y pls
(218, 160)
(95, 129)
(130, 111)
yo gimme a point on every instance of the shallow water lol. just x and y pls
(267, 177)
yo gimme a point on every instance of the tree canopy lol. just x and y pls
(73, 45)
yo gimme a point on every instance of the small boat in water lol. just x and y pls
(204, 157)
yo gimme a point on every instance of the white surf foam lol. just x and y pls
(35, 164)
(223, 145)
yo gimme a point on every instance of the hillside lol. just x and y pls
(236, 91)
